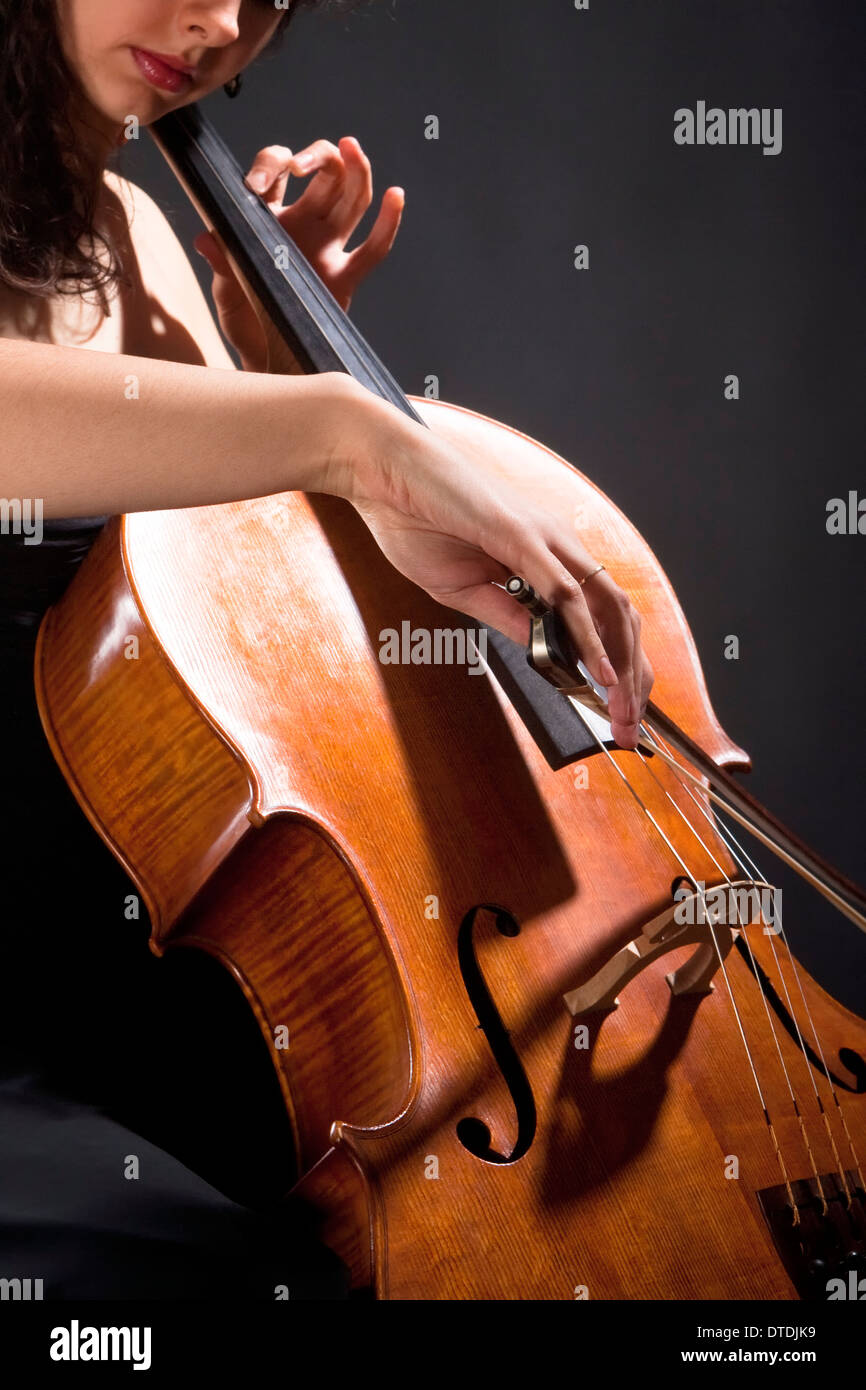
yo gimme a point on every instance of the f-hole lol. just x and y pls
(473, 1133)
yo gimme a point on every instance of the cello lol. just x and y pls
(531, 1004)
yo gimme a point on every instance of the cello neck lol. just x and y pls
(296, 308)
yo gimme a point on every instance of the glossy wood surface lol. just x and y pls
(322, 823)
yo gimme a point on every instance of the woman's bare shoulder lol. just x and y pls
(166, 312)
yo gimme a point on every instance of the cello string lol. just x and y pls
(693, 877)
(817, 883)
(744, 858)
(742, 924)
(748, 864)
(726, 835)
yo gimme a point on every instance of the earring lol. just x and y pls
(232, 89)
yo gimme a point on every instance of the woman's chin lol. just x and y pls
(121, 122)
(116, 104)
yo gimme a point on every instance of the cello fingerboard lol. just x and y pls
(555, 725)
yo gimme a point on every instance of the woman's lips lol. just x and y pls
(159, 73)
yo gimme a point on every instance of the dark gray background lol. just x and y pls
(557, 128)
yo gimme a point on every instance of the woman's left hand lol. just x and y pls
(320, 222)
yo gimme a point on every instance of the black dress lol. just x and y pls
(143, 1141)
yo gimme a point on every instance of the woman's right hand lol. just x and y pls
(445, 517)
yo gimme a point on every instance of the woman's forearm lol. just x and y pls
(92, 433)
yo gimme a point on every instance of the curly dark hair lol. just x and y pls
(49, 188)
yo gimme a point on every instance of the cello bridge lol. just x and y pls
(707, 918)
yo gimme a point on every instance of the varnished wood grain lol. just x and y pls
(322, 823)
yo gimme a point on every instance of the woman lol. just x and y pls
(87, 261)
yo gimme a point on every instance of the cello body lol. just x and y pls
(405, 889)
